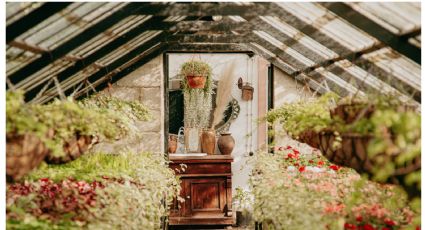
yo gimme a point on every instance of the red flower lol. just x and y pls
(320, 163)
(296, 164)
(385, 228)
(389, 222)
(301, 169)
(418, 227)
(311, 161)
(295, 151)
(288, 147)
(334, 167)
(368, 227)
(349, 226)
(359, 219)
(290, 155)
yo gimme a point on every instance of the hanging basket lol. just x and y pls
(349, 112)
(73, 148)
(23, 153)
(353, 153)
(309, 137)
(196, 82)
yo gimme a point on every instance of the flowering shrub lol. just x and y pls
(96, 191)
(296, 190)
(47, 200)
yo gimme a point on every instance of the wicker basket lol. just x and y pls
(309, 137)
(23, 154)
(73, 148)
(349, 112)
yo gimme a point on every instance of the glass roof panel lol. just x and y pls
(397, 17)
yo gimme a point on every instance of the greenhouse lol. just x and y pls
(213, 115)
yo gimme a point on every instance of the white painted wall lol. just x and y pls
(244, 128)
(287, 90)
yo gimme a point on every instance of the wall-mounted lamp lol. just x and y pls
(247, 90)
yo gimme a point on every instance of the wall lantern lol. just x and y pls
(247, 90)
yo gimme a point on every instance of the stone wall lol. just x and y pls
(287, 90)
(145, 85)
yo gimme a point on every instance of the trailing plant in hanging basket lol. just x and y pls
(26, 137)
(197, 75)
(311, 115)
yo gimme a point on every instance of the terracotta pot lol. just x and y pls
(172, 143)
(226, 143)
(23, 153)
(196, 82)
(208, 141)
(73, 148)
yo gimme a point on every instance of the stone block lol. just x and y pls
(124, 93)
(152, 142)
(153, 125)
(148, 75)
(151, 97)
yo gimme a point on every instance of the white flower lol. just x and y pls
(291, 168)
(314, 169)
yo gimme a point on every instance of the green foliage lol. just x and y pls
(106, 117)
(197, 68)
(135, 187)
(197, 102)
(287, 197)
(131, 110)
(20, 118)
(395, 133)
(303, 115)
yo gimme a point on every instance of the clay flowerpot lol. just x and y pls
(172, 143)
(226, 143)
(208, 141)
(196, 82)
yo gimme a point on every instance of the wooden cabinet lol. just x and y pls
(206, 188)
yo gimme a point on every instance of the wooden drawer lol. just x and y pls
(202, 168)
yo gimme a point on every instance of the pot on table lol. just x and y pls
(208, 141)
(226, 143)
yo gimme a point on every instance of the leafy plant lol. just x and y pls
(105, 117)
(304, 115)
(308, 192)
(196, 68)
(127, 190)
(197, 102)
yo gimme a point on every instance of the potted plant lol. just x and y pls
(197, 91)
(197, 74)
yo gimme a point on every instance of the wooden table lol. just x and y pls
(207, 190)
